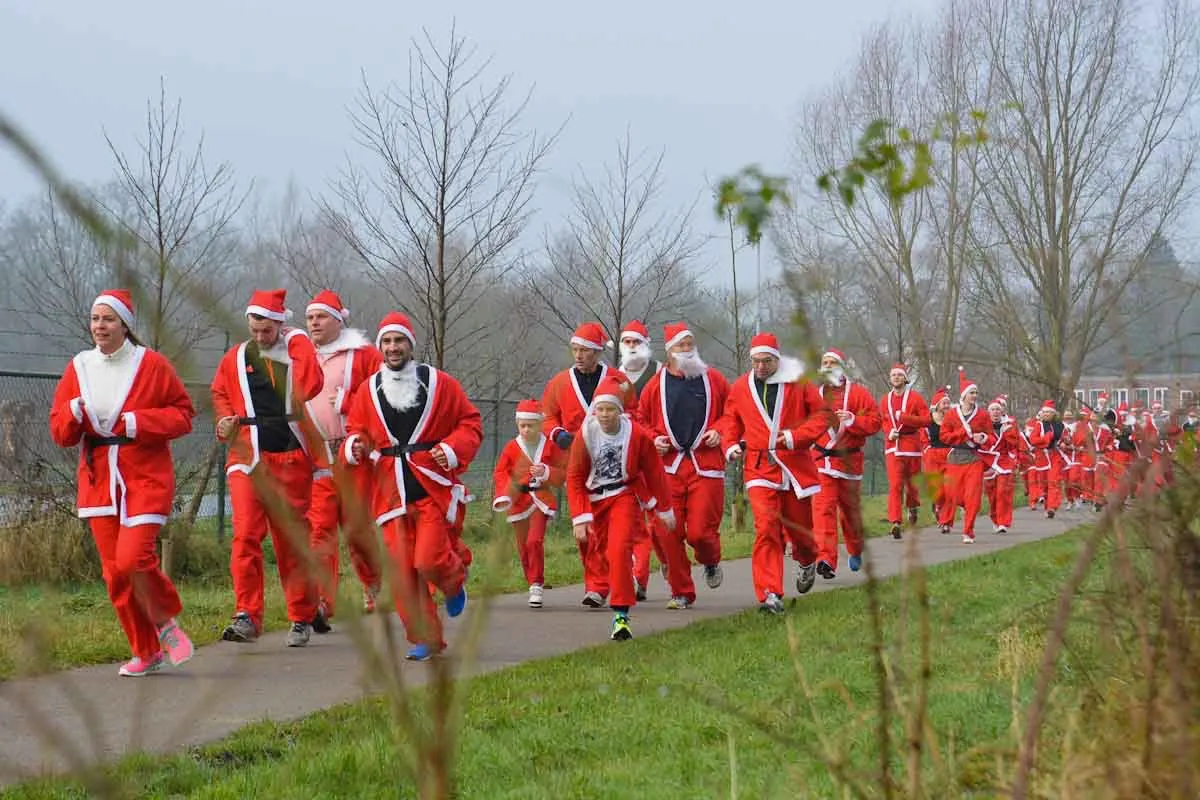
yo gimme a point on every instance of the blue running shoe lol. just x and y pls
(456, 604)
(855, 563)
(419, 652)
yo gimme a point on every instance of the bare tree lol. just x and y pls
(182, 215)
(1096, 158)
(437, 223)
(619, 256)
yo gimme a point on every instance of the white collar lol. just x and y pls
(347, 339)
(117, 356)
(409, 370)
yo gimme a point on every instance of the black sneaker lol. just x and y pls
(320, 623)
(912, 517)
(1050, 514)
(895, 530)
(944, 528)
(825, 571)
(241, 629)
(639, 591)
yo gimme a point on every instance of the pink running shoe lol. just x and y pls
(176, 644)
(136, 668)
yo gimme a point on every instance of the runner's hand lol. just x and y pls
(581, 531)
(710, 438)
(662, 444)
(226, 427)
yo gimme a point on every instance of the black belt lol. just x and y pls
(90, 443)
(608, 487)
(845, 451)
(397, 450)
(261, 421)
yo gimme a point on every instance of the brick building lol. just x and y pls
(1176, 391)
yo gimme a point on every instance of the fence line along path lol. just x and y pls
(227, 686)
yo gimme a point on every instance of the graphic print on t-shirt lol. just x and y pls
(607, 464)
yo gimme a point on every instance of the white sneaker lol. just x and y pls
(968, 539)
(535, 596)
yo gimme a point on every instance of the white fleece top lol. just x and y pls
(107, 376)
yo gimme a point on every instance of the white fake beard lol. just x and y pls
(836, 376)
(689, 363)
(401, 387)
(635, 359)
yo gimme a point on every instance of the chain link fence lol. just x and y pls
(37, 476)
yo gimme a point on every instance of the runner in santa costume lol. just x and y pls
(1047, 467)
(966, 429)
(934, 450)
(565, 403)
(839, 457)
(347, 357)
(773, 415)
(528, 468)
(611, 456)
(1087, 449)
(413, 428)
(1124, 449)
(1072, 470)
(123, 404)
(681, 408)
(258, 397)
(640, 367)
(1026, 460)
(904, 415)
(999, 454)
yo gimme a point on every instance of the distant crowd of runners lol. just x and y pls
(329, 430)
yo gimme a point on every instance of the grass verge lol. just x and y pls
(77, 627)
(666, 716)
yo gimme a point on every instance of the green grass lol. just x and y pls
(649, 718)
(76, 625)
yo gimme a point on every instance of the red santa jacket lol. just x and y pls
(799, 414)
(231, 397)
(363, 359)
(1084, 443)
(908, 413)
(1000, 453)
(448, 420)
(654, 415)
(591, 481)
(1045, 448)
(514, 491)
(838, 451)
(135, 480)
(563, 404)
(958, 429)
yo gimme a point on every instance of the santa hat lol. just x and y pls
(610, 390)
(120, 301)
(328, 301)
(835, 354)
(636, 330)
(1102, 397)
(674, 333)
(395, 322)
(591, 336)
(995, 404)
(1002, 399)
(1156, 406)
(529, 410)
(764, 344)
(938, 396)
(269, 303)
(903, 370)
(1122, 409)
(1049, 406)
(965, 384)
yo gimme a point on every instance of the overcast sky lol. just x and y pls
(717, 84)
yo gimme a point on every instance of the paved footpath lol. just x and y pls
(53, 722)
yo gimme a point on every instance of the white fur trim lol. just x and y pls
(729, 453)
(269, 314)
(77, 409)
(130, 424)
(451, 458)
(677, 338)
(668, 518)
(395, 328)
(348, 450)
(582, 519)
(502, 503)
(339, 314)
(608, 398)
(579, 340)
(634, 335)
(764, 350)
(348, 339)
(529, 416)
(123, 311)
(790, 370)
(787, 437)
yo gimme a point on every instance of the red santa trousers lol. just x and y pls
(964, 487)
(779, 517)
(290, 477)
(1087, 484)
(1119, 463)
(141, 594)
(999, 488)
(699, 504)
(648, 539)
(348, 510)
(1073, 477)
(838, 498)
(420, 546)
(615, 526)
(530, 534)
(1047, 483)
(933, 465)
(902, 472)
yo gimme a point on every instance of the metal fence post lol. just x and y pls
(221, 497)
